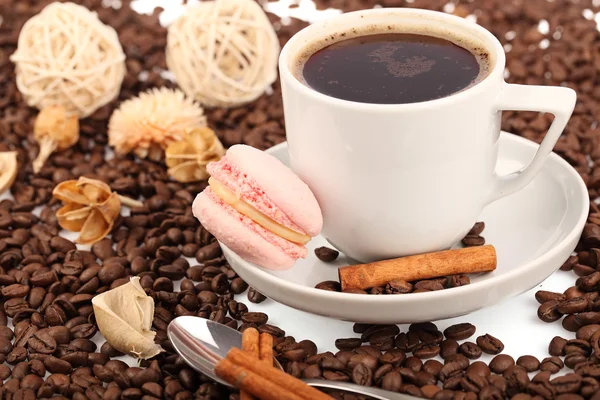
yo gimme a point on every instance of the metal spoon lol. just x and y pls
(202, 343)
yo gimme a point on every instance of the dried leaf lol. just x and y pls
(124, 316)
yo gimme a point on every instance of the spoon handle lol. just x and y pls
(379, 394)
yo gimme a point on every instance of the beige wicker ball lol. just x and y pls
(67, 57)
(223, 52)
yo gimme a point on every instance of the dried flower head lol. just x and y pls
(54, 129)
(188, 158)
(152, 121)
(90, 207)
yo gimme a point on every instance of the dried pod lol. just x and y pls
(124, 316)
(8, 169)
(188, 158)
(54, 129)
(90, 207)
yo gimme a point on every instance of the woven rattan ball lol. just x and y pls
(223, 52)
(67, 57)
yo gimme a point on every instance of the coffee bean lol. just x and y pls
(543, 296)
(31, 382)
(551, 364)
(489, 344)
(348, 344)
(332, 286)
(448, 347)
(473, 382)
(55, 315)
(86, 331)
(470, 350)
(453, 364)
(257, 318)
(548, 311)
(208, 252)
(5, 372)
(255, 297)
(571, 293)
(152, 389)
(56, 366)
(588, 318)
(238, 285)
(429, 391)
(15, 290)
(479, 368)
(362, 375)
(572, 306)
(589, 282)
(426, 350)
(312, 372)
(557, 346)
(460, 331)
(407, 341)
(501, 362)
(529, 363)
(42, 342)
(18, 354)
(568, 383)
(398, 287)
(220, 284)
(326, 254)
(516, 379)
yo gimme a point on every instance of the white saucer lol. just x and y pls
(534, 232)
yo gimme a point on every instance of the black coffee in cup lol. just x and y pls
(392, 68)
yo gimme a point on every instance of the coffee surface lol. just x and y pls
(393, 68)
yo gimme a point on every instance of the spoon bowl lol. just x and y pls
(203, 343)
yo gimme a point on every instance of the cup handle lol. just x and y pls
(556, 100)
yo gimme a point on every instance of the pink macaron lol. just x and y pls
(258, 208)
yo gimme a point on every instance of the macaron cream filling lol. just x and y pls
(238, 204)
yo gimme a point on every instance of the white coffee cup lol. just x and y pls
(400, 179)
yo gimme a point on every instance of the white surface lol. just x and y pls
(533, 231)
(423, 171)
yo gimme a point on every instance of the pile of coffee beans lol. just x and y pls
(47, 284)
(473, 238)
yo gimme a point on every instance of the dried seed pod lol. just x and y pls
(188, 158)
(8, 169)
(90, 207)
(124, 316)
(54, 129)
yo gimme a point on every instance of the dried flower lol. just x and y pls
(124, 316)
(187, 159)
(54, 129)
(8, 169)
(90, 207)
(147, 124)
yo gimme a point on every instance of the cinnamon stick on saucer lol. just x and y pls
(423, 266)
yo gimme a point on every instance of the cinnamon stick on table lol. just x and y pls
(423, 266)
(266, 348)
(250, 375)
(250, 382)
(250, 344)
